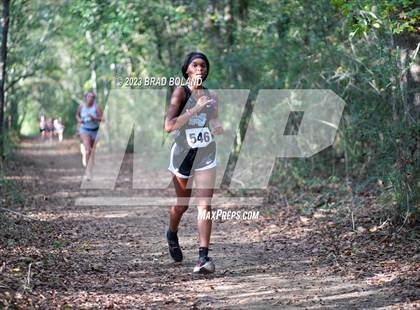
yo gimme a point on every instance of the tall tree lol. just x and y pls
(3, 58)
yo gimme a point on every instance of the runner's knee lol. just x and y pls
(179, 208)
(88, 151)
(203, 205)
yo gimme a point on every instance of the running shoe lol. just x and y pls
(174, 248)
(204, 265)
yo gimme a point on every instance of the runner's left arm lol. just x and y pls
(215, 124)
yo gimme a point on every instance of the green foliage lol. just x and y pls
(59, 50)
(10, 141)
(397, 15)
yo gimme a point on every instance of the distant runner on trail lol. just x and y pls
(192, 117)
(49, 129)
(42, 126)
(88, 116)
(59, 128)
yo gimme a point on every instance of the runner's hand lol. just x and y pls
(201, 103)
(93, 118)
(216, 127)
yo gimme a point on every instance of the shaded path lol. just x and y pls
(116, 257)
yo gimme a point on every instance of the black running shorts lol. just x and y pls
(184, 161)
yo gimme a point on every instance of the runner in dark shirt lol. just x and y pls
(192, 116)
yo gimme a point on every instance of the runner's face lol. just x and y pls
(89, 99)
(197, 69)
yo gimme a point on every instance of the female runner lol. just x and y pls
(88, 116)
(192, 116)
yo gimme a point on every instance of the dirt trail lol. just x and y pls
(115, 257)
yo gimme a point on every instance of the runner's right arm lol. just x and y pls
(172, 121)
(79, 119)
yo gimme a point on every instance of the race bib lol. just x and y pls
(198, 137)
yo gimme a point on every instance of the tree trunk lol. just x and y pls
(408, 112)
(212, 26)
(229, 23)
(3, 57)
(243, 126)
(14, 116)
(93, 75)
(410, 75)
(243, 12)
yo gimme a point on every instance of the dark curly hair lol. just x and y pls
(189, 58)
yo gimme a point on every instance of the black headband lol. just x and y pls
(188, 60)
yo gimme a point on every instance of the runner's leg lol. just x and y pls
(87, 145)
(91, 159)
(183, 195)
(204, 184)
(83, 152)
